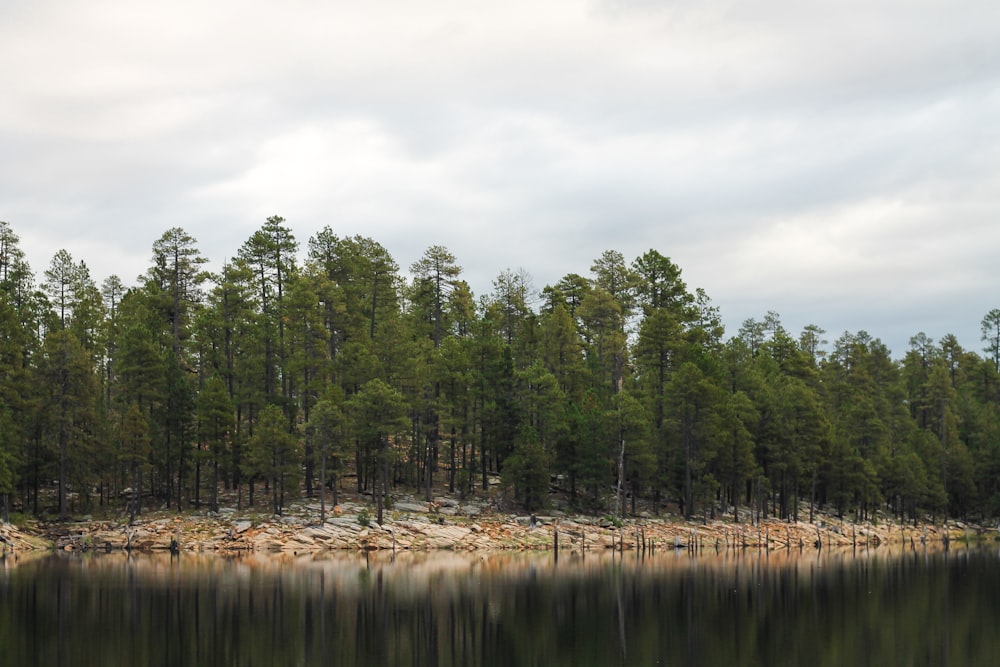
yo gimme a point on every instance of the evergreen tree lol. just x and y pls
(69, 404)
(216, 427)
(134, 455)
(325, 432)
(178, 276)
(378, 415)
(275, 455)
(268, 256)
(526, 470)
(435, 276)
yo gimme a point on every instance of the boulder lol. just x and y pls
(410, 507)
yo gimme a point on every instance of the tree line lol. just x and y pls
(293, 370)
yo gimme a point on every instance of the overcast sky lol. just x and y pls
(836, 162)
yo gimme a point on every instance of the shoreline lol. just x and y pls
(445, 525)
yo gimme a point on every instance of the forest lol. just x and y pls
(301, 368)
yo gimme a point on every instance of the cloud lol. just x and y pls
(836, 162)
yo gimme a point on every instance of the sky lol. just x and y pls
(835, 162)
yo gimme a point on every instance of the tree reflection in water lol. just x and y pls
(748, 608)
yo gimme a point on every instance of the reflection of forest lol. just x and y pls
(456, 609)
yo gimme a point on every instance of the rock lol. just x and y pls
(241, 526)
(345, 524)
(451, 533)
(410, 507)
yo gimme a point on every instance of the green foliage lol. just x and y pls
(274, 454)
(618, 388)
(526, 470)
(378, 413)
(8, 450)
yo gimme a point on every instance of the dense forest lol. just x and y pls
(295, 369)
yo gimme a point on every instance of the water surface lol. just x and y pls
(875, 607)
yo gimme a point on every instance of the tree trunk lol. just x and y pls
(382, 486)
(688, 486)
(180, 478)
(197, 480)
(451, 476)
(428, 474)
(310, 465)
(322, 486)
(812, 496)
(621, 475)
(63, 446)
(215, 485)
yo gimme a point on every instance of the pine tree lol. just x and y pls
(275, 455)
(378, 414)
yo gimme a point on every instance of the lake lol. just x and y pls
(878, 607)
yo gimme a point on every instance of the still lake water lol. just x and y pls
(876, 607)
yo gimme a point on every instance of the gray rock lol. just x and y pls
(410, 507)
(345, 523)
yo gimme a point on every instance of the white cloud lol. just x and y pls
(836, 162)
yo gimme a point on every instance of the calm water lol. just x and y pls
(878, 608)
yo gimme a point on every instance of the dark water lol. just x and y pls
(878, 608)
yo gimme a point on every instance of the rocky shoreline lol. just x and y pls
(446, 524)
